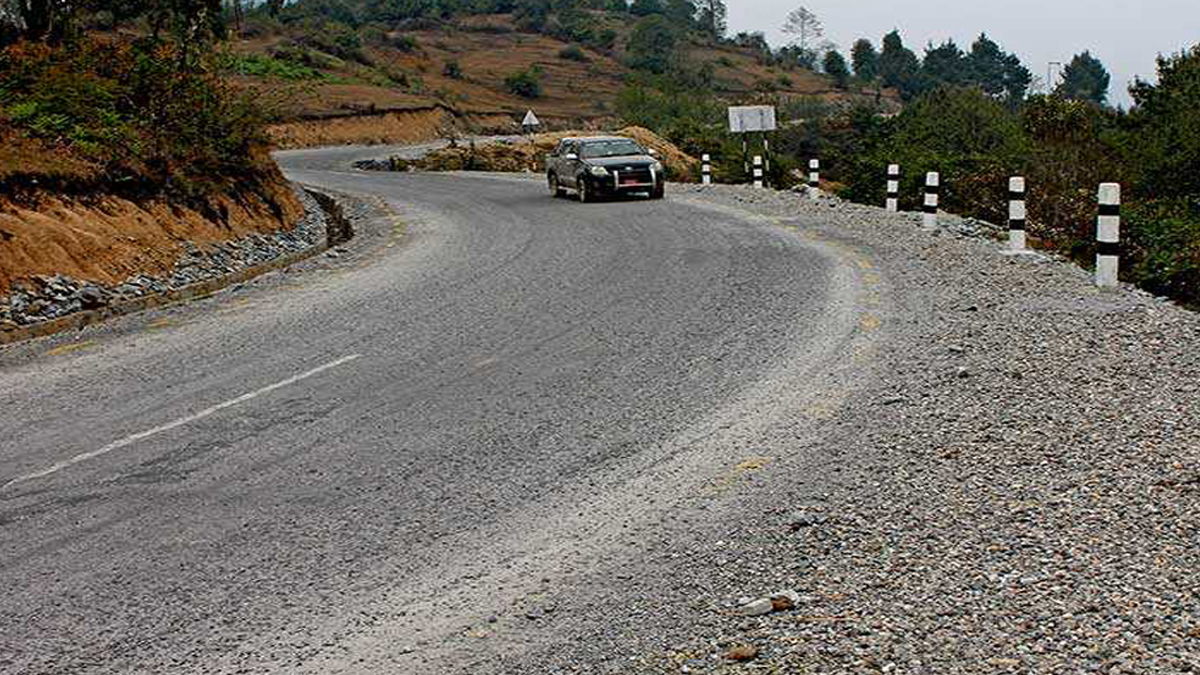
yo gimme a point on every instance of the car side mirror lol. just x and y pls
(571, 156)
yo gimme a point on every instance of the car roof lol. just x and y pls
(588, 139)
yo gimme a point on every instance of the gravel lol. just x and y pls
(1016, 491)
(50, 297)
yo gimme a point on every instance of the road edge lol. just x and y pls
(331, 208)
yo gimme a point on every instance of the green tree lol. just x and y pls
(836, 67)
(48, 20)
(998, 73)
(652, 44)
(683, 12)
(1085, 79)
(945, 64)
(865, 59)
(712, 17)
(1165, 139)
(647, 7)
(899, 66)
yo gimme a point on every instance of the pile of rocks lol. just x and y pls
(45, 298)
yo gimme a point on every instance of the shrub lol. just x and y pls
(149, 123)
(573, 53)
(525, 83)
(452, 70)
(970, 138)
(1162, 247)
(404, 43)
(259, 65)
(604, 40)
(335, 38)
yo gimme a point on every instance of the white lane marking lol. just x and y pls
(129, 440)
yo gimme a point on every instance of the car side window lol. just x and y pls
(558, 150)
(570, 148)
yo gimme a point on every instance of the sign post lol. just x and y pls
(753, 119)
(530, 124)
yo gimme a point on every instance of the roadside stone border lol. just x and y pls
(324, 226)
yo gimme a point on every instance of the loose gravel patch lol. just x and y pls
(1017, 491)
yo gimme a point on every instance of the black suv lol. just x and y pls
(601, 166)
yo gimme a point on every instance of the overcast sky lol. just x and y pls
(1125, 34)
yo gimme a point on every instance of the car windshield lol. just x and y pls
(617, 148)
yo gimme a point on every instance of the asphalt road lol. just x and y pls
(350, 471)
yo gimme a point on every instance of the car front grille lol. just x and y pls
(636, 176)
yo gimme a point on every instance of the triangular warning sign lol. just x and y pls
(531, 120)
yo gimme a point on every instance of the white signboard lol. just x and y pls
(747, 118)
(531, 120)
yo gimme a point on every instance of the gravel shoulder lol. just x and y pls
(1012, 486)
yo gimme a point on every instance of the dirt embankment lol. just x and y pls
(105, 239)
(393, 127)
(530, 155)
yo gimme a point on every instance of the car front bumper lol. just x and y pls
(615, 183)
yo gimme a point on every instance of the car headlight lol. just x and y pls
(657, 167)
(599, 171)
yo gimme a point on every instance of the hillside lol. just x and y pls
(394, 85)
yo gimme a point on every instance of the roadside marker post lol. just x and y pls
(529, 125)
(1108, 236)
(758, 171)
(893, 188)
(933, 182)
(814, 176)
(706, 170)
(1016, 214)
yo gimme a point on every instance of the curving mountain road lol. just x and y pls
(352, 468)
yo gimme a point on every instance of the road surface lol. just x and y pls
(352, 470)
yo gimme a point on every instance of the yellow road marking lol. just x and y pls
(66, 349)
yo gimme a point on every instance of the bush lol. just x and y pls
(1162, 248)
(525, 83)
(970, 138)
(573, 53)
(604, 41)
(452, 70)
(404, 43)
(150, 124)
(259, 65)
(335, 38)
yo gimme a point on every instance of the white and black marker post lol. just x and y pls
(893, 188)
(814, 176)
(758, 171)
(1108, 236)
(933, 184)
(1016, 214)
(706, 170)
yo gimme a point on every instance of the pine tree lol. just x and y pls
(946, 64)
(998, 73)
(835, 67)
(1085, 79)
(866, 60)
(899, 66)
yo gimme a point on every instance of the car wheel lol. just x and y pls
(555, 189)
(658, 192)
(585, 193)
